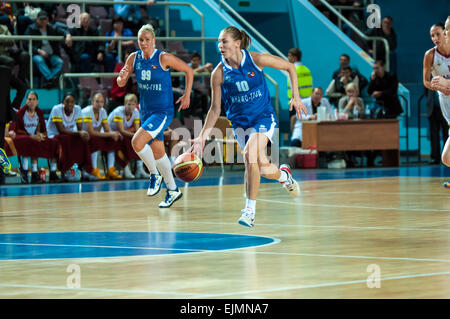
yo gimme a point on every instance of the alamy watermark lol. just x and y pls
(73, 20)
(74, 279)
(374, 19)
(374, 279)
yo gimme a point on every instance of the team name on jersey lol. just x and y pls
(246, 97)
(150, 87)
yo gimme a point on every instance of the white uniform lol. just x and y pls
(31, 123)
(69, 121)
(297, 131)
(441, 66)
(89, 116)
(118, 115)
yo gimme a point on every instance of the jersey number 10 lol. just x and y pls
(242, 86)
(146, 75)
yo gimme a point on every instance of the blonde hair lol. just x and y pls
(352, 86)
(146, 28)
(130, 97)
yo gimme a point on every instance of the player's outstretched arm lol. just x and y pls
(170, 61)
(126, 71)
(265, 59)
(213, 113)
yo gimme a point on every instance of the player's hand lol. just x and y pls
(297, 104)
(184, 101)
(198, 144)
(123, 74)
(84, 135)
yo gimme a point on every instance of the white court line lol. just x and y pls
(346, 227)
(240, 250)
(130, 291)
(297, 203)
(330, 284)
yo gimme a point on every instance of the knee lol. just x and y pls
(38, 59)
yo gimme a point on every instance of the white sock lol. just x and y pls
(283, 177)
(111, 159)
(146, 154)
(34, 167)
(94, 157)
(25, 163)
(251, 204)
(53, 167)
(165, 168)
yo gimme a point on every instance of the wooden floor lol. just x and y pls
(326, 241)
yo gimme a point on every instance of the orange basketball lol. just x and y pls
(188, 167)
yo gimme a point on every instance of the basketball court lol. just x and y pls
(356, 233)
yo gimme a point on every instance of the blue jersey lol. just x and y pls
(245, 92)
(154, 85)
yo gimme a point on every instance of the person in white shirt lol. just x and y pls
(66, 118)
(125, 120)
(95, 122)
(312, 103)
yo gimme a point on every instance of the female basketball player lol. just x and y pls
(437, 63)
(156, 106)
(239, 81)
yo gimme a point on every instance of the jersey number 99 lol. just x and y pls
(146, 75)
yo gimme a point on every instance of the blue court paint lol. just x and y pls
(61, 245)
(228, 179)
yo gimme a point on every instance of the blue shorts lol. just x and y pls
(156, 124)
(265, 125)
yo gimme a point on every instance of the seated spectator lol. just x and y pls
(131, 14)
(200, 87)
(30, 138)
(47, 52)
(311, 103)
(7, 16)
(125, 120)
(95, 122)
(84, 54)
(11, 56)
(383, 87)
(336, 88)
(112, 46)
(65, 123)
(386, 31)
(344, 61)
(352, 104)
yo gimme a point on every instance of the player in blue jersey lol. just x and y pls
(239, 81)
(151, 67)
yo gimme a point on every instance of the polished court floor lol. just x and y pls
(379, 233)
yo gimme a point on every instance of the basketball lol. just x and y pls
(188, 167)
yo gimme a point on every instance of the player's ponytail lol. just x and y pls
(237, 34)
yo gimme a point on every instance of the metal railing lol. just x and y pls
(139, 3)
(361, 34)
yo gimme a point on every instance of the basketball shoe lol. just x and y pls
(4, 162)
(155, 184)
(248, 217)
(447, 184)
(171, 197)
(291, 186)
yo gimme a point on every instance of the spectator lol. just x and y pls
(311, 103)
(125, 120)
(7, 15)
(47, 51)
(437, 123)
(383, 87)
(352, 104)
(112, 46)
(118, 93)
(31, 139)
(131, 14)
(336, 88)
(386, 31)
(84, 54)
(65, 123)
(200, 87)
(11, 56)
(344, 61)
